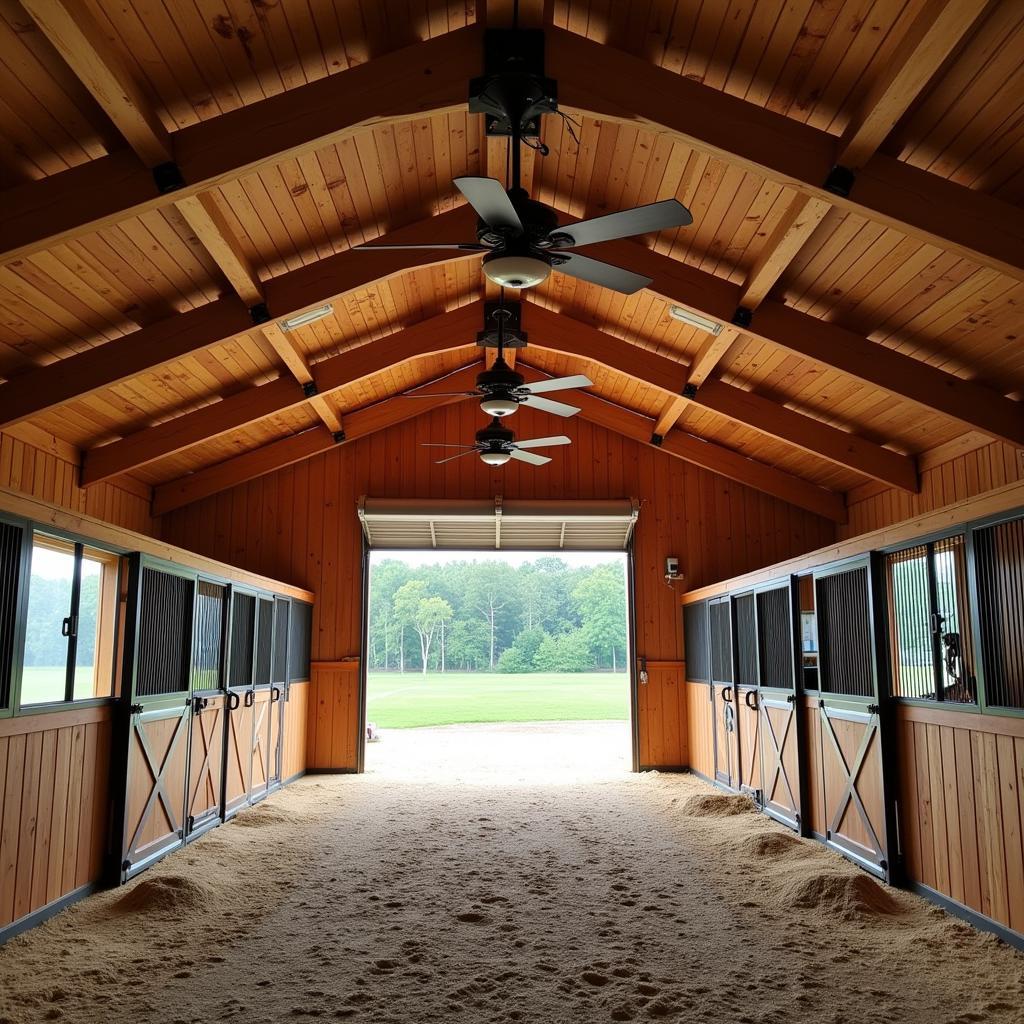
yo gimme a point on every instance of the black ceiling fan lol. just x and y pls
(521, 236)
(496, 445)
(502, 390)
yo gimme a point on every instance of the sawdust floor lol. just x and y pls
(483, 873)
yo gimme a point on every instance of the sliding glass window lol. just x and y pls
(71, 623)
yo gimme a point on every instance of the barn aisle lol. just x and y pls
(557, 892)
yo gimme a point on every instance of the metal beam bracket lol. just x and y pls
(168, 177)
(339, 437)
(656, 440)
(259, 314)
(840, 181)
(310, 390)
(743, 317)
(689, 391)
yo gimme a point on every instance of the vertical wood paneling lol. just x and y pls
(308, 532)
(698, 729)
(54, 807)
(961, 808)
(53, 476)
(295, 731)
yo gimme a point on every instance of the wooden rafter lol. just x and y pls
(306, 444)
(562, 334)
(223, 320)
(446, 331)
(927, 43)
(80, 41)
(427, 78)
(594, 79)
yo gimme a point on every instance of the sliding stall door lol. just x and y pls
(240, 700)
(158, 720)
(209, 710)
(780, 738)
(263, 701)
(852, 755)
(278, 689)
(723, 696)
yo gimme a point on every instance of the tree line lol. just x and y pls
(541, 616)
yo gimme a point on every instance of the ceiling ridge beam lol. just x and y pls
(429, 77)
(150, 347)
(606, 84)
(304, 445)
(811, 435)
(262, 400)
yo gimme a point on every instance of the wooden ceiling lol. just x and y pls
(882, 323)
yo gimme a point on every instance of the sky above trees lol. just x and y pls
(458, 615)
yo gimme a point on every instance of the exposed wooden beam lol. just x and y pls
(929, 40)
(80, 41)
(205, 218)
(601, 82)
(709, 455)
(150, 347)
(304, 445)
(828, 344)
(934, 34)
(449, 330)
(562, 334)
(429, 77)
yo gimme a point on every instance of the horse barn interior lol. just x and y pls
(256, 258)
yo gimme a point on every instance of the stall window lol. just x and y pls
(746, 641)
(11, 538)
(930, 647)
(999, 567)
(720, 616)
(695, 630)
(71, 623)
(299, 640)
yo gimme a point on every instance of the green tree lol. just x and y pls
(567, 652)
(520, 656)
(601, 600)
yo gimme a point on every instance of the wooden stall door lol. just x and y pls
(206, 763)
(238, 759)
(727, 755)
(748, 739)
(155, 796)
(260, 744)
(276, 748)
(850, 725)
(778, 716)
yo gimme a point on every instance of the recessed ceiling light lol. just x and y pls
(309, 317)
(694, 320)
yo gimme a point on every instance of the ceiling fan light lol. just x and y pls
(517, 271)
(499, 405)
(495, 458)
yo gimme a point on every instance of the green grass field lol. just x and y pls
(44, 685)
(396, 701)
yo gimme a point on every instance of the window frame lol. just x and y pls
(9, 704)
(80, 543)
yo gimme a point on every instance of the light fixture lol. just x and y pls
(511, 270)
(495, 458)
(695, 320)
(309, 317)
(499, 405)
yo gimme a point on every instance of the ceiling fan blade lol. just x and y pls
(470, 246)
(533, 460)
(669, 213)
(546, 405)
(441, 462)
(491, 202)
(604, 274)
(557, 384)
(543, 442)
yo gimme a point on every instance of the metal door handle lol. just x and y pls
(69, 627)
(275, 694)
(746, 699)
(727, 693)
(233, 701)
(250, 698)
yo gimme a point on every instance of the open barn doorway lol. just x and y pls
(503, 662)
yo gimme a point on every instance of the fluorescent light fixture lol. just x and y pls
(694, 320)
(309, 317)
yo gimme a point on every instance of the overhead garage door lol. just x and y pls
(498, 524)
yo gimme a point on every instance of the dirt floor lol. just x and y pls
(483, 873)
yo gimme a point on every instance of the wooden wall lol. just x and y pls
(961, 807)
(54, 806)
(300, 524)
(293, 761)
(947, 476)
(700, 739)
(48, 470)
